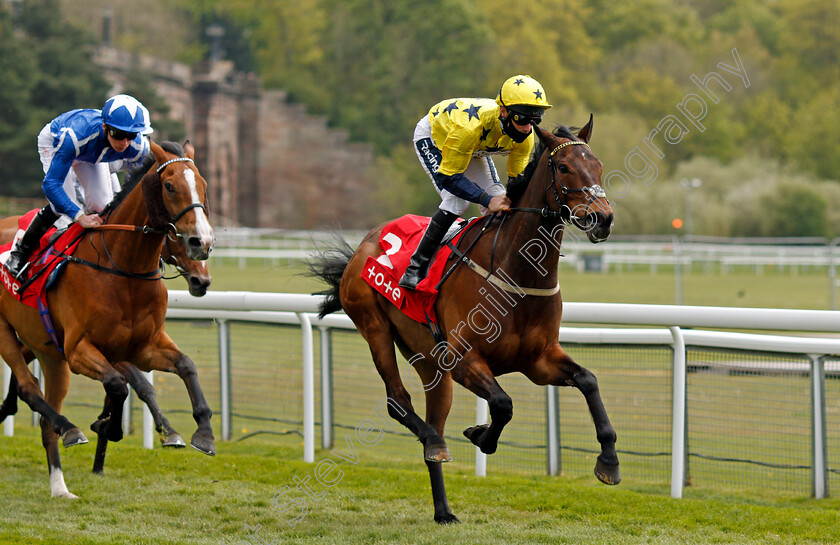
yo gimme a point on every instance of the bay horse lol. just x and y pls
(109, 306)
(559, 186)
(197, 275)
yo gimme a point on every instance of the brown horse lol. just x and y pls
(198, 278)
(109, 306)
(560, 185)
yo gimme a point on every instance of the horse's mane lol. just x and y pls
(516, 187)
(154, 203)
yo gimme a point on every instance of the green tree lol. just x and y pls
(794, 210)
(47, 70)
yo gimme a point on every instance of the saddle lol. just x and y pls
(44, 264)
(398, 241)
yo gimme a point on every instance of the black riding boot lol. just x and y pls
(42, 221)
(419, 265)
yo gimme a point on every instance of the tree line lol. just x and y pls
(373, 67)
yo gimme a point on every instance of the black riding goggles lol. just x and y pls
(522, 119)
(118, 134)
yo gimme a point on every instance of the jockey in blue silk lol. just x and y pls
(81, 150)
(454, 142)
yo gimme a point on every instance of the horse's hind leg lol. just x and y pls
(56, 384)
(399, 407)
(30, 392)
(438, 404)
(557, 368)
(9, 407)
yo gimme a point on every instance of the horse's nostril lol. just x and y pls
(194, 242)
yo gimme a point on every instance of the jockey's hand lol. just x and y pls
(89, 220)
(499, 203)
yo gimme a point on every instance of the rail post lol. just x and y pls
(308, 388)
(679, 415)
(481, 412)
(819, 448)
(224, 379)
(552, 405)
(326, 388)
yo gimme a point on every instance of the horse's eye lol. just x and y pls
(562, 168)
(169, 187)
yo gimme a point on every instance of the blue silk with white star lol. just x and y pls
(78, 136)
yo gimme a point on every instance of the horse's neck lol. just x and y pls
(529, 243)
(138, 252)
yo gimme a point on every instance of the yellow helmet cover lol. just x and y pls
(526, 93)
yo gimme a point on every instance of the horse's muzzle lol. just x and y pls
(597, 226)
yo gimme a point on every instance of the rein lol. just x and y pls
(564, 214)
(169, 231)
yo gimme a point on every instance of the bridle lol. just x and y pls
(564, 211)
(170, 231)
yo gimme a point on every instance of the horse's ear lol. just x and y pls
(189, 149)
(586, 132)
(160, 155)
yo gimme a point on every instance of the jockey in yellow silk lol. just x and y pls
(454, 142)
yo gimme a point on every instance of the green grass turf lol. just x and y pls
(182, 497)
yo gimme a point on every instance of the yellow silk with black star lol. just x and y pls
(463, 128)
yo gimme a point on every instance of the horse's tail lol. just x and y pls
(329, 265)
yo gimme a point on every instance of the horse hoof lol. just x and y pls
(607, 474)
(66, 496)
(475, 434)
(203, 444)
(438, 452)
(99, 425)
(447, 518)
(73, 437)
(172, 440)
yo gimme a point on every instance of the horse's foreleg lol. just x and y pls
(474, 374)
(606, 468)
(558, 369)
(164, 355)
(146, 392)
(101, 437)
(85, 359)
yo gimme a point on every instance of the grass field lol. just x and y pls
(181, 496)
(771, 288)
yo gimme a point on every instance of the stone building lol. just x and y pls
(266, 161)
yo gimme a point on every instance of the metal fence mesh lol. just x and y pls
(748, 420)
(749, 413)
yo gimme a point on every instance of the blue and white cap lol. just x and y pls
(125, 113)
